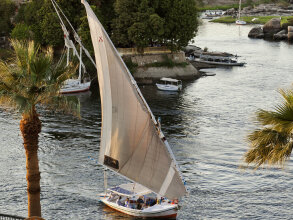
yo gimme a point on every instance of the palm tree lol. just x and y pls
(28, 80)
(272, 144)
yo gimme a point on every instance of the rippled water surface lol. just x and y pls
(206, 125)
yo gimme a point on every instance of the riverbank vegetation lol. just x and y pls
(246, 3)
(252, 20)
(129, 23)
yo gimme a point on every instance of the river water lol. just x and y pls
(206, 125)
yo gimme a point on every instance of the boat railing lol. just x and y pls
(216, 58)
(10, 217)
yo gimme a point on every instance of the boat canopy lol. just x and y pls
(170, 79)
(130, 189)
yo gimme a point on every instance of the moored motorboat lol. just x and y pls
(218, 60)
(169, 84)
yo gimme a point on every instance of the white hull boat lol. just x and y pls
(74, 86)
(149, 207)
(218, 60)
(169, 84)
(239, 21)
(157, 211)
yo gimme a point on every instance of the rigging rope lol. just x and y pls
(76, 37)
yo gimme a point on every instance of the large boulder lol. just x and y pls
(256, 32)
(231, 12)
(272, 27)
(282, 35)
(290, 33)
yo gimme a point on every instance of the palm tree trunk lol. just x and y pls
(30, 126)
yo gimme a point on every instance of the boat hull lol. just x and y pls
(77, 88)
(219, 63)
(159, 212)
(164, 87)
(239, 22)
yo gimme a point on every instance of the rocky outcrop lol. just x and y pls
(272, 27)
(282, 35)
(290, 33)
(231, 12)
(267, 10)
(256, 32)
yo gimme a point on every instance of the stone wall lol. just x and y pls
(149, 75)
(144, 59)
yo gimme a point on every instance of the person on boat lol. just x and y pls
(161, 200)
(140, 200)
(112, 197)
(118, 201)
(139, 203)
(127, 203)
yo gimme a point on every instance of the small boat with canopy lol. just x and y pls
(132, 143)
(169, 84)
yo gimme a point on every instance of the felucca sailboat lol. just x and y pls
(132, 143)
(239, 21)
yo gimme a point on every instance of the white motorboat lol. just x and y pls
(132, 143)
(218, 60)
(169, 84)
(239, 21)
(210, 14)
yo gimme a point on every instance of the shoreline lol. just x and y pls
(250, 19)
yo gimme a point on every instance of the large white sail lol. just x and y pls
(131, 142)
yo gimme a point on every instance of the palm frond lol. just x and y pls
(272, 144)
(31, 78)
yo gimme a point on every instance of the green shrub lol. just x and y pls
(21, 32)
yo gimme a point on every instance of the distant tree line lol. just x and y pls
(130, 23)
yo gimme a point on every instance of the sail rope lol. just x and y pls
(76, 36)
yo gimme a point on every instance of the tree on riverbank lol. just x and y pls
(146, 23)
(28, 81)
(272, 143)
(41, 18)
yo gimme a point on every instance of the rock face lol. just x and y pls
(267, 10)
(231, 12)
(282, 35)
(272, 27)
(290, 33)
(256, 32)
